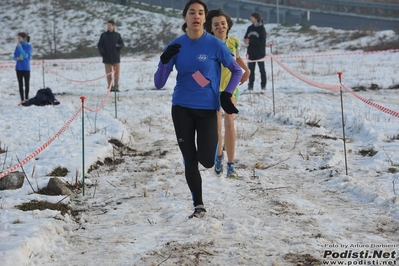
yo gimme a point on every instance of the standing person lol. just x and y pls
(22, 55)
(196, 97)
(218, 23)
(109, 46)
(255, 38)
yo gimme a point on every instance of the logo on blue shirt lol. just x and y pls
(202, 57)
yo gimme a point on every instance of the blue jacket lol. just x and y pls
(23, 52)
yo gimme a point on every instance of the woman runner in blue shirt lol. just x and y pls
(197, 57)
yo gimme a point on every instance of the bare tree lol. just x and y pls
(49, 15)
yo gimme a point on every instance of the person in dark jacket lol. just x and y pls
(255, 38)
(22, 55)
(109, 46)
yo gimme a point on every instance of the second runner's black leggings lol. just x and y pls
(203, 123)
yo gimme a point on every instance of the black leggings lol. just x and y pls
(263, 78)
(187, 123)
(23, 77)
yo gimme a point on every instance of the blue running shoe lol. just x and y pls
(231, 172)
(219, 165)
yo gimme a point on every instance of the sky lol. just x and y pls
(293, 203)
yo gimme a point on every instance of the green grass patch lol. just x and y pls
(369, 152)
(392, 170)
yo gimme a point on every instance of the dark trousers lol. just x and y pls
(188, 123)
(251, 66)
(23, 77)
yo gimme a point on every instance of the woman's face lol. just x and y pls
(195, 17)
(253, 20)
(20, 39)
(220, 27)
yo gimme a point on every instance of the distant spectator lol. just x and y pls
(22, 55)
(109, 46)
(255, 38)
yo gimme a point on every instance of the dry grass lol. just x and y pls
(59, 171)
(302, 259)
(43, 205)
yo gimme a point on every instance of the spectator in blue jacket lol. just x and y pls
(22, 55)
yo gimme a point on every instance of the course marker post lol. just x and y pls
(113, 79)
(343, 121)
(82, 98)
(44, 84)
(271, 62)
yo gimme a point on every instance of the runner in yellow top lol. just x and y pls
(219, 23)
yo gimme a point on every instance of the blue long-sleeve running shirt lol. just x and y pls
(205, 55)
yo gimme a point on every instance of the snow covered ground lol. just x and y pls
(294, 204)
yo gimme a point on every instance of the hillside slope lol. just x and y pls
(58, 27)
(71, 29)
